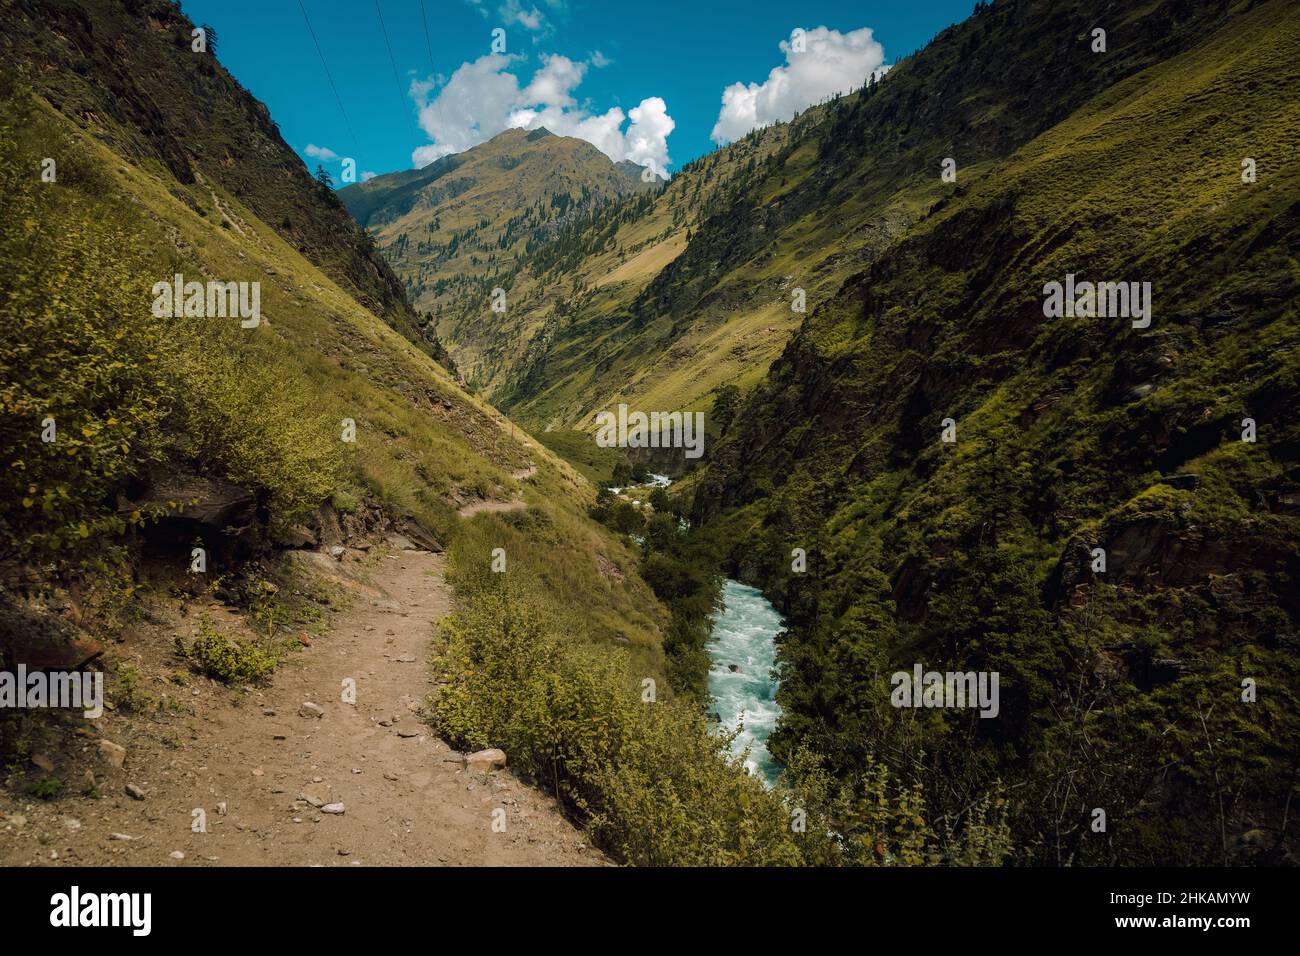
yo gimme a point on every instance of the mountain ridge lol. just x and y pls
(450, 227)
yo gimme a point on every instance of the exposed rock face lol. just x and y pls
(210, 502)
(419, 534)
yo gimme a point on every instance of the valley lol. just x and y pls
(919, 464)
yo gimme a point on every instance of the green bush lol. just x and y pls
(226, 659)
(654, 786)
(653, 782)
(74, 352)
(125, 390)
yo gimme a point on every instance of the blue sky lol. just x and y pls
(641, 81)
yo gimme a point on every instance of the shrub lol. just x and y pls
(653, 784)
(72, 351)
(226, 659)
(125, 390)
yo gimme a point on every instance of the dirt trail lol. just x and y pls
(405, 794)
(514, 504)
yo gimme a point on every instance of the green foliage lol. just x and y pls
(125, 389)
(75, 351)
(48, 788)
(227, 659)
(869, 818)
(1120, 689)
(128, 690)
(653, 785)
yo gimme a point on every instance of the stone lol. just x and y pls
(332, 808)
(43, 762)
(485, 761)
(176, 855)
(295, 536)
(112, 754)
(134, 792)
(211, 502)
(412, 529)
(308, 709)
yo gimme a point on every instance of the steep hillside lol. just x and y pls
(606, 330)
(697, 293)
(454, 228)
(670, 303)
(126, 72)
(1127, 673)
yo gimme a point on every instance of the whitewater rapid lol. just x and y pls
(744, 637)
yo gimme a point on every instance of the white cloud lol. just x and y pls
(831, 63)
(321, 152)
(367, 175)
(508, 13)
(483, 98)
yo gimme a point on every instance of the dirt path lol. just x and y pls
(514, 504)
(479, 507)
(406, 797)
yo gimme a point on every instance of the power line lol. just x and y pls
(400, 98)
(424, 18)
(338, 99)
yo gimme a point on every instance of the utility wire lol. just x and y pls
(338, 99)
(396, 79)
(424, 18)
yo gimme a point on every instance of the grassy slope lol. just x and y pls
(1119, 690)
(138, 86)
(597, 347)
(423, 445)
(650, 319)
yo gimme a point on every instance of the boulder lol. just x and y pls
(43, 762)
(210, 502)
(112, 754)
(295, 536)
(485, 761)
(422, 537)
